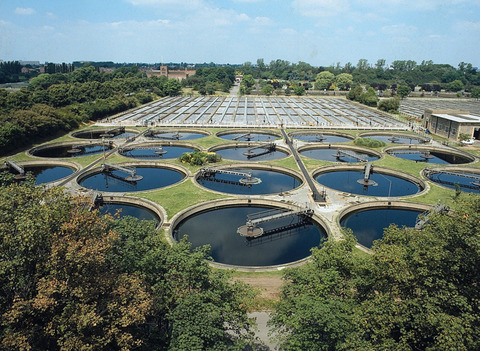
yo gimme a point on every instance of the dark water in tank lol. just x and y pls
(123, 135)
(62, 151)
(369, 225)
(437, 157)
(236, 153)
(449, 180)
(47, 174)
(114, 181)
(171, 152)
(397, 139)
(122, 210)
(97, 134)
(218, 228)
(327, 139)
(271, 182)
(173, 136)
(330, 155)
(249, 137)
(387, 185)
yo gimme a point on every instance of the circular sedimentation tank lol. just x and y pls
(337, 153)
(381, 182)
(155, 151)
(466, 179)
(131, 178)
(369, 220)
(44, 172)
(430, 155)
(120, 206)
(246, 135)
(396, 138)
(107, 133)
(248, 180)
(173, 135)
(68, 150)
(284, 241)
(322, 137)
(252, 152)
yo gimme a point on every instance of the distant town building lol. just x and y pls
(31, 63)
(171, 74)
(451, 123)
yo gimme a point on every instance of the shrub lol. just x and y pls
(199, 158)
(389, 105)
(367, 142)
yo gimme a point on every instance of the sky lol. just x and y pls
(319, 32)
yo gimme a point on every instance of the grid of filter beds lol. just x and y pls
(221, 111)
(416, 107)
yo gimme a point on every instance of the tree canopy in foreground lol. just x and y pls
(418, 291)
(73, 280)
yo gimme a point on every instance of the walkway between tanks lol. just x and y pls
(317, 196)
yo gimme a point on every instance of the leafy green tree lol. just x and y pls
(70, 279)
(317, 304)
(194, 308)
(323, 80)
(417, 291)
(389, 105)
(267, 89)
(344, 81)
(17, 100)
(247, 84)
(369, 97)
(58, 291)
(476, 93)
(355, 93)
(455, 86)
(173, 87)
(11, 137)
(299, 90)
(403, 91)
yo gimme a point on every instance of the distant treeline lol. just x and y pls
(207, 80)
(400, 72)
(10, 72)
(61, 101)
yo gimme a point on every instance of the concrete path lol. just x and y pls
(235, 90)
(263, 331)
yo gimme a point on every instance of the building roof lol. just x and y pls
(460, 118)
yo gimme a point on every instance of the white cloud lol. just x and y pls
(320, 8)
(399, 30)
(468, 27)
(289, 31)
(190, 4)
(264, 21)
(243, 17)
(133, 26)
(417, 5)
(24, 11)
(222, 21)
